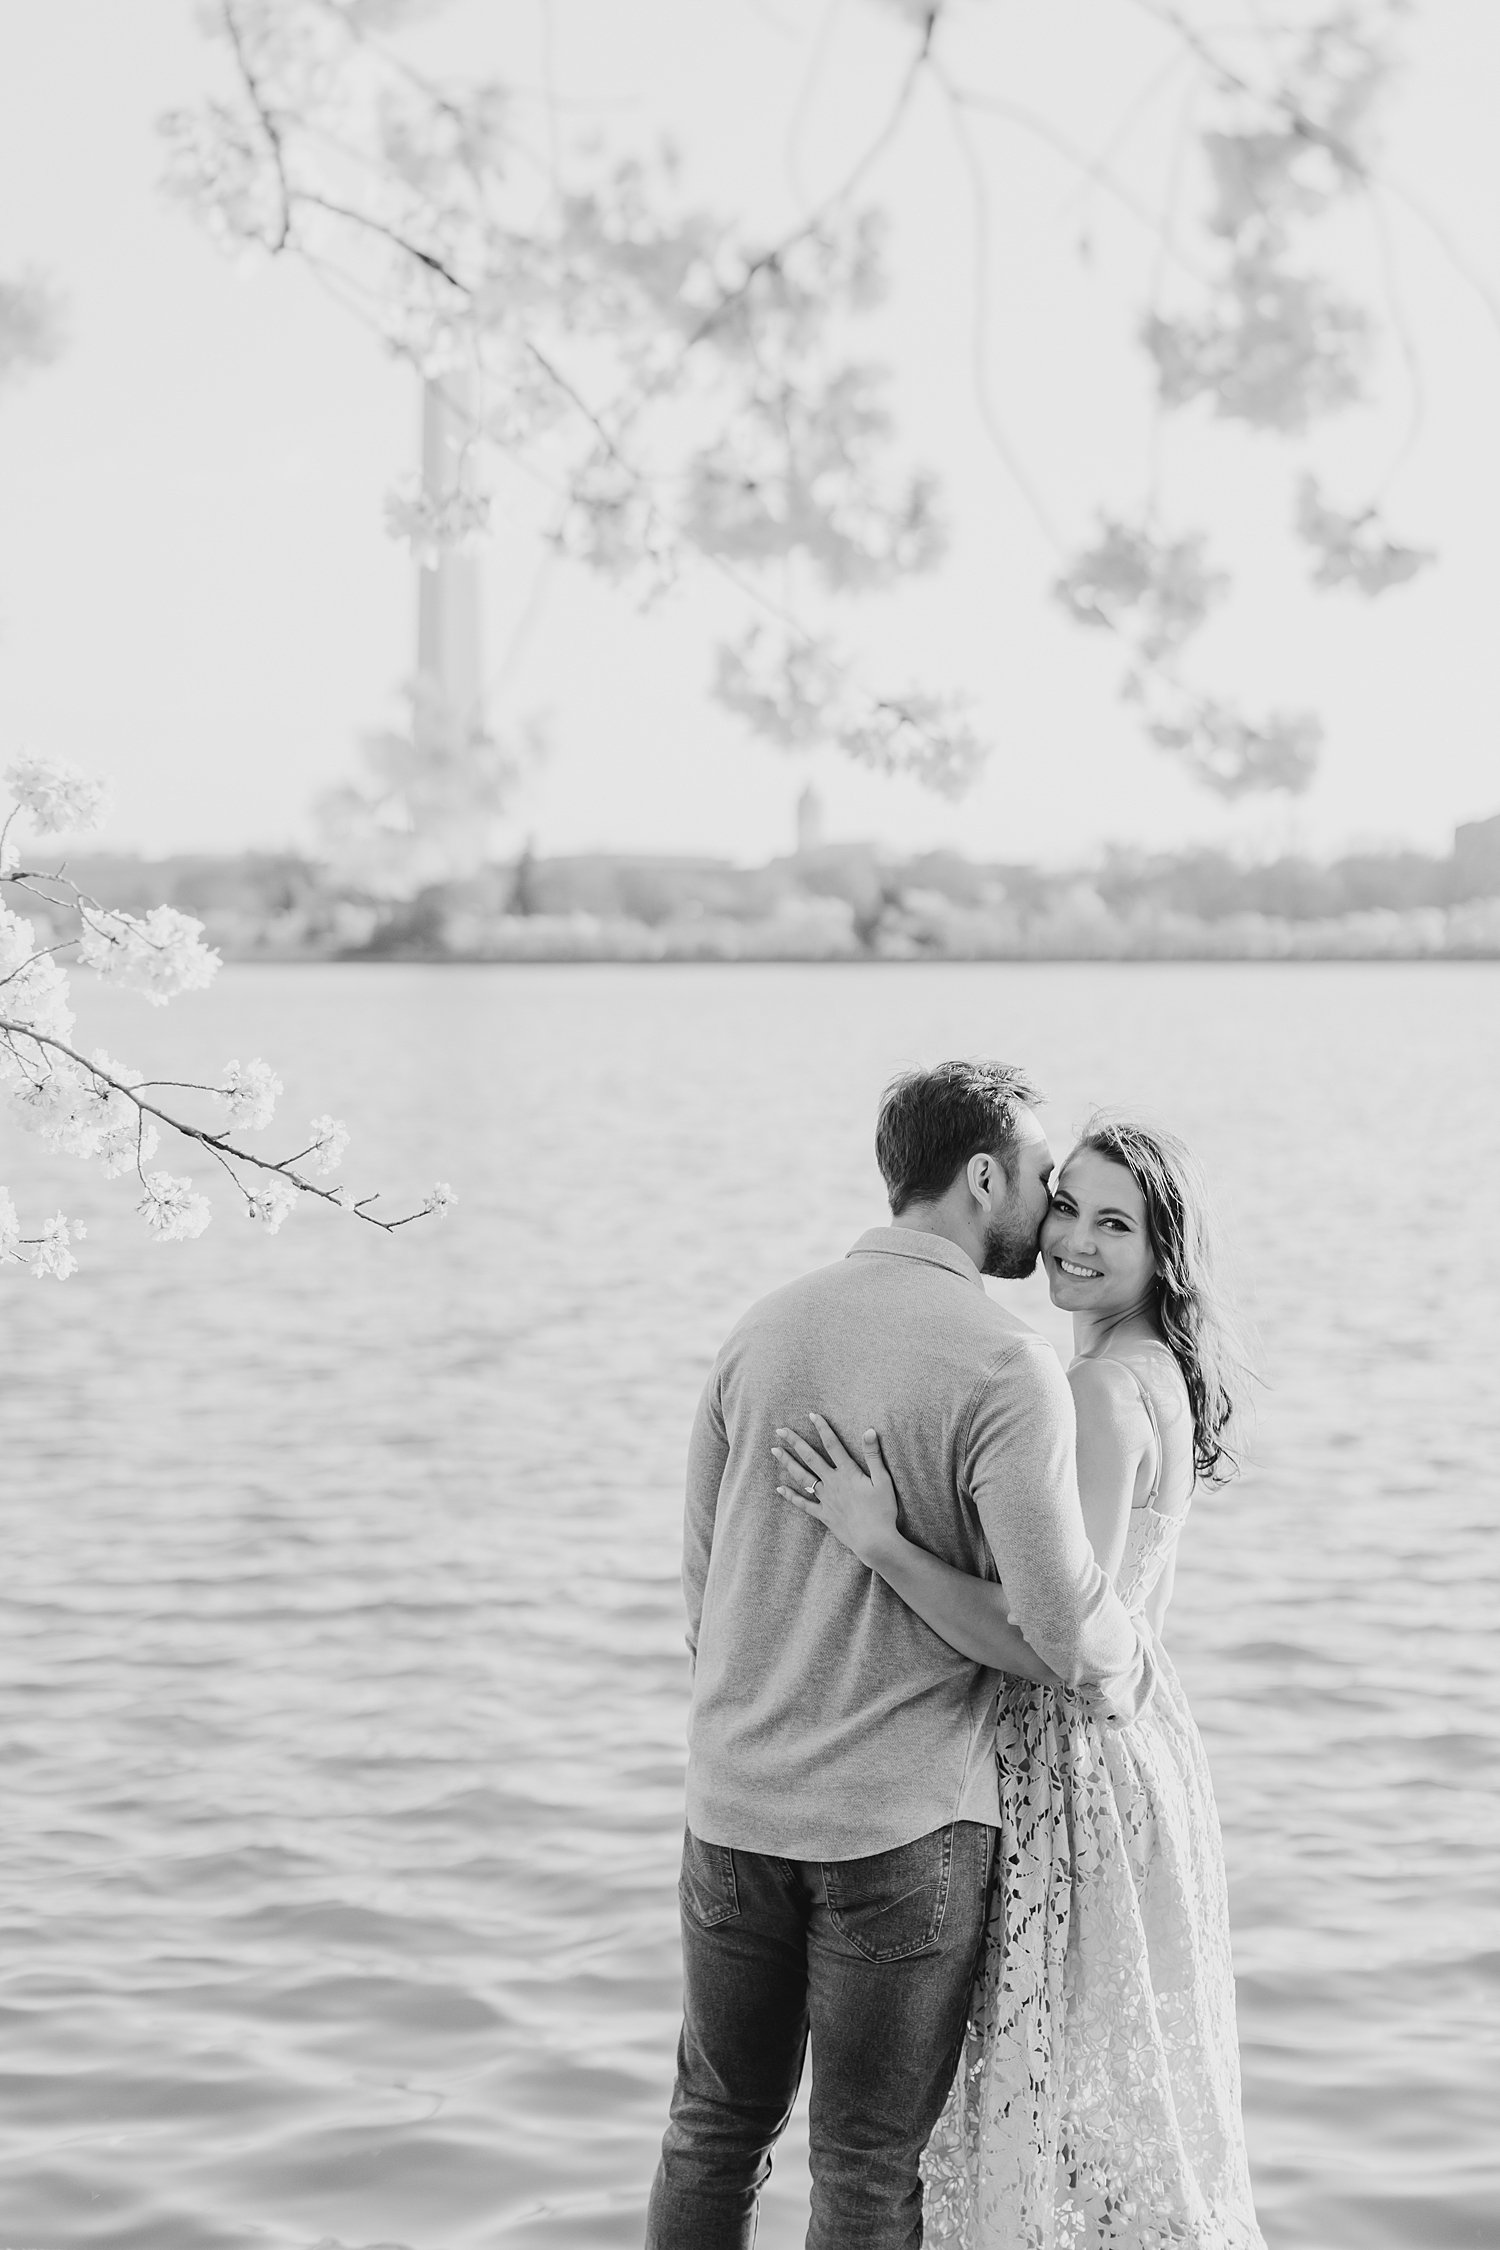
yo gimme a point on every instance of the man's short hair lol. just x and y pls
(933, 1121)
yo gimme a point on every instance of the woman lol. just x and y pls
(1097, 2102)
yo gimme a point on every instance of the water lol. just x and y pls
(341, 1679)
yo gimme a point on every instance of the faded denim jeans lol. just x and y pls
(872, 1957)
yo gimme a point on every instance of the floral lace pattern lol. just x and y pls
(1097, 2101)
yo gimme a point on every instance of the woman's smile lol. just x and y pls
(1095, 1242)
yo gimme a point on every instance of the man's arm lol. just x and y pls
(1019, 1471)
(1155, 1604)
(708, 1451)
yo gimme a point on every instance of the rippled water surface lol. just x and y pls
(341, 1679)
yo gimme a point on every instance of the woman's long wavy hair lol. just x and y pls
(1197, 1322)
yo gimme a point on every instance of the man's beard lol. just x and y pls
(1010, 1245)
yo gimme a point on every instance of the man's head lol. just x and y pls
(963, 1155)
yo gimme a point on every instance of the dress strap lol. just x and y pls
(1149, 1405)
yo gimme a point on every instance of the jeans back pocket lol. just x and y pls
(706, 1886)
(892, 1904)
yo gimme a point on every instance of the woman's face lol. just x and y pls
(1095, 1244)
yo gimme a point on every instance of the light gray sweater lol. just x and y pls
(827, 1720)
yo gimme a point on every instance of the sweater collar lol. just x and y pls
(910, 1242)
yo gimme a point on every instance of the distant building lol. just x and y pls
(1476, 857)
(812, 824)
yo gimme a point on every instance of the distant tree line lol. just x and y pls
(259, 903)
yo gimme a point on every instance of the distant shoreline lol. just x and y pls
(846, 903)
(861, 961)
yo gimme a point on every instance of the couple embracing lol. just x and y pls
(948, 1814)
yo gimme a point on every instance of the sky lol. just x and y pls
(198, 596)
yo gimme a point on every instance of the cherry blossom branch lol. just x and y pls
(601, 523)
(268, 126)
(979, 345)
(42, 953)
(86, 907)
(768, 260)
(89, 1106)
(218, 1143)
(392, 235)
(1344, 154)
(774, 462)
(1095, 172)
(938, 741)
(1406, 341)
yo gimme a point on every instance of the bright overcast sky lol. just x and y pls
(197, 595)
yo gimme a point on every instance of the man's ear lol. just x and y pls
(985, 1182)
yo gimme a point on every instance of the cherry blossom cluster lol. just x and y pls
(1352, 547)
(680, 385)
(92, 1106)
(31, 324)
(684, 385)
(787, 683)
(434, 524)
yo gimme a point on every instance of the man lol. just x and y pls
(841, 1792)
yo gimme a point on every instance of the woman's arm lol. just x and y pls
(1113, 1434)
(858, 1506)
(968, 1613)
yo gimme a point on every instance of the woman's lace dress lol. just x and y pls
(1097, 2102)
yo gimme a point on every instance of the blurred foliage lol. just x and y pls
(426, 801)
(691, 391)
(31, 325)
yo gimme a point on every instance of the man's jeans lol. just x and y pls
(874, 1957)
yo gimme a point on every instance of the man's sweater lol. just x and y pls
(828, 1721)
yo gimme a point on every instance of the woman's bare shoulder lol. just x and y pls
(1108, 1392)
(1155, 1366)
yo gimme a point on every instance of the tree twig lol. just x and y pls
(1015, 114)
(268, 126)
(979, 190)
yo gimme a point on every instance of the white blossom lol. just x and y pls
(797, 689)
(33, 988)
(440, 1199)
(269, 1203)
(51, 1251)
(172, 1209)
(46, 1253)
(90, 1108)
(59, 1107)
(249, 1093)
(128, 1138)
(158, 954)
(104, 1067)
(1133, 578)
(330, 1139)
(1353, 548)
(31, 324)
(74, 1108)
(437, 524)
(58, 797)
(128, 1145)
